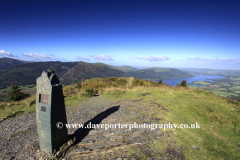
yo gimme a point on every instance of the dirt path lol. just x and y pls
(19, 140)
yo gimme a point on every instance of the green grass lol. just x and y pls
(219, 121)
(223, 87)
(220, 89)
(235, 88)
(25, 106)
(236, 79)
(21, 132)
(74, 99)
(5, 90)
(226, 84)
(222, 93)
(202, 82)
(33, 86)
(219, 118)
(238, 92)
(236, 83)
(31, 89)
(192, 86)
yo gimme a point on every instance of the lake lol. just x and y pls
(173, 82)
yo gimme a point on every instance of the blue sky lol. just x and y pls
(139, 33)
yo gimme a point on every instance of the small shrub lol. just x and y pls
(2, 106)
(152, 82)
(90, 92)
(134, 81)
(79, 84)
(160, 81)
(16, 94)
(183, 83)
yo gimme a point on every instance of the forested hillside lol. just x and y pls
(6, 63)
(27, 73)
(100, 70)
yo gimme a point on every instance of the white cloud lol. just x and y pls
(102, 57)
(151, 58)
(215, 60)
(83, 58)
(196, 58)
(41, 57)
(213, 63)
(5, 54)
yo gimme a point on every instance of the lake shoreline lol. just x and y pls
(191, 80)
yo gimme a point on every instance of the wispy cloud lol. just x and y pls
(196, 58)
(83, 58)
(151, 58)
(214, 60)
(5, 54)
(102, 57)
(41, 57)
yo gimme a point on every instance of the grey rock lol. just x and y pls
(179, 148)
(195, 147)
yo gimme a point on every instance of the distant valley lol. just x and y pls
(25, 73)
(100, 70)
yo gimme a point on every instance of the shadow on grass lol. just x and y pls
(15, 114)
(81, 133)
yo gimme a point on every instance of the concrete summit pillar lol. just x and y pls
(50, 112)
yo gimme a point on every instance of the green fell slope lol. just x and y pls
(124, 68)
(87, 71)
(100, 70)
(27, 73)
(6, 63)
(157, 73)
(218, 136)
(219, 118)
(206, 71)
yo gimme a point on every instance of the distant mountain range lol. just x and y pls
(9, 62)
(208, 71)
(27, 73)
(24, 73)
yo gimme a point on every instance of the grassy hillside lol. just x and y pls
(93, 70)
(228, 86)
(219, 133)
(23, 73)
(87, 71)
(124, 68)
(157, 73)
(31, 89)
(27, 73)
(205, 71)
(6, 63)
(217, 138)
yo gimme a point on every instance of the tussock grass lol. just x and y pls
(219, 117)
(97, 86)
(219, 133)
(77, 92)
(16, 108)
